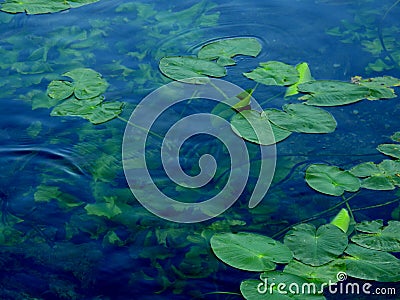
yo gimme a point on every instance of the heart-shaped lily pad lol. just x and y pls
(382, 176)
(383, 238)
(86, 84)
(249, 251)
(34, 7)
(332, 93)
(331, 180)
(274, 73)
(370, 264)
(302, 118)
(392, 150)
(224, 50)
(255, 127)
(316, 247)
(190, 69)
(325, 273)
(94, 110)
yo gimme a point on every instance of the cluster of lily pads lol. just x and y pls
(311, 255)
(332, 180)
(83, 97)
(35, 7)
(303, 117)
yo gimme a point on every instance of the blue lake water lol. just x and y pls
(56, 243)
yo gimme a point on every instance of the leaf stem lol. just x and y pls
(316, 216)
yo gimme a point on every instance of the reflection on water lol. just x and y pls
(71, 229)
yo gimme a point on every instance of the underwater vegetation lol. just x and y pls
(61, 75)
(369, 28)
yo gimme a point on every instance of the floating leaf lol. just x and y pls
(382, 238)
(331, 180)
(190, 69)
(342, 220)
(370, 264)
(274, 73)
(364, 169)
(316, 247)
(382, 176)
(87, 83)
(224, 50)
(392, 150)
(332, 93)
(34, 7)
(304, 76)
(255, 127)
(370, 226)
(270, 287)
(94, 110)
(321, 274)
(302, 118)
(106, 208)
(60, 90)
(249, 251)
(379, 87)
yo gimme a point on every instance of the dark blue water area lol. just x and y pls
(70, 226)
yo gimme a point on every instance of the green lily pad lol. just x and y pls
(79, 3)
(190, 69)
(302, 118)
(274, 73)
(60, 90)
(316, 247)
(370, 264)
(332, 93)
(224, 50)
(370, 226)
(255, 127)
(94, 110)
(86, 84)
(380, 87)
(275, 285)
(383, 238)
(364, 169)
(382, 176)
(34, 7)
(331, 180)
(321, 274)
(304, 76)
(392, 150)
(249, 251)
(342, 220)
